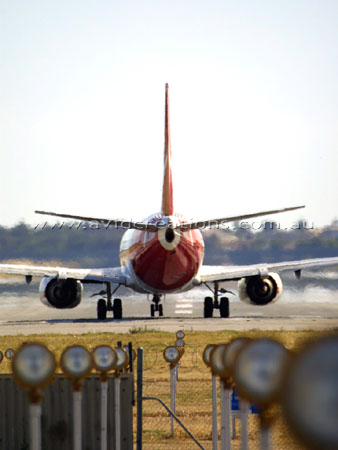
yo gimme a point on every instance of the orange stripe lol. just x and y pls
(167, 191)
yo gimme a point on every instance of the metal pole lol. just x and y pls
(104, 414)
(214, 413)
(139, 398)
(77, 420)
(244, 407)
(117, 412)
(227, 401)
(172, 398)
(265, 437)
(35, 426)
(225, 417)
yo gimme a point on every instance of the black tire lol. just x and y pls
(152, 310)
(117, 309)
(208, 307)
(160, 310)
(101, 309)
(224, 307)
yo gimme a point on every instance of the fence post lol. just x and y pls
(139, 398)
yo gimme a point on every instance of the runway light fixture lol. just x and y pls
(259, 370)
(180, 334)
(33, 366)
(179, 343)
(122, 358)
(231, 352)
(217, 360)
(76, 362)
(105, 358)
(1, 356)
(310, 395)
(9, 353)
(172, 355)
(126, 349)
(206, 354)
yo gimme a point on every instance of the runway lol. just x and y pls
(296, 310)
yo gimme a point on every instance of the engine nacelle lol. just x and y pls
(60, 294)
(258, 290)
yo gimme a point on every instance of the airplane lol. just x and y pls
(160, 255)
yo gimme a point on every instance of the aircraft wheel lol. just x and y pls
(208, 307)
(101, 309)
(152, 310)
(117, 308)
(224, 307)
(160, 310)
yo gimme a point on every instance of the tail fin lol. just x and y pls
(167, 191)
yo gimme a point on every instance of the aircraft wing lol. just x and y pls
(227, 273)
(112, 275)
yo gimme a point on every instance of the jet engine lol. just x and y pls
(59, 293)
(259, 290)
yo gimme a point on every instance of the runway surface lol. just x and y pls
(22, 313)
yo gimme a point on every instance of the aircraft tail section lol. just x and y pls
(167, 191)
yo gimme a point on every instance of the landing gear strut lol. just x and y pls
(156, 306)
(104, 305)
(211, 303)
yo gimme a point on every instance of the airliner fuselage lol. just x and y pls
(164, 261)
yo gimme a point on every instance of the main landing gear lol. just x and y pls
(211, 303)
(104, 305)
(156, 306)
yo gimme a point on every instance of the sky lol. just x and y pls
(253, 104)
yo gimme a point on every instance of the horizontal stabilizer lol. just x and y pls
(153, 226)
(213, 223)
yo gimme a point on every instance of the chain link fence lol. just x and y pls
(193, 407)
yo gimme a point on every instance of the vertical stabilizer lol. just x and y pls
(167, 192)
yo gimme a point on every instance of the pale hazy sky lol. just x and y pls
(254, 107)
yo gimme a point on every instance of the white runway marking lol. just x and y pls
(183, 306)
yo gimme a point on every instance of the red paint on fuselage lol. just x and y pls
(160, 265)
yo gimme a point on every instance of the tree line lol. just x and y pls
(88, 246)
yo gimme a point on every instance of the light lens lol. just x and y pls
(217, 359)
(231, 352)
(206, 354)
(180, 334)
(259, 370)
(33, 365)
(105, 358)
(310, 397)
(179, 343)
(126, 349)
(122, 358)
(9, 353)
(171, 354)
(76, 361)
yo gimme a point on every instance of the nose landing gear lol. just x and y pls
(156, 306)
